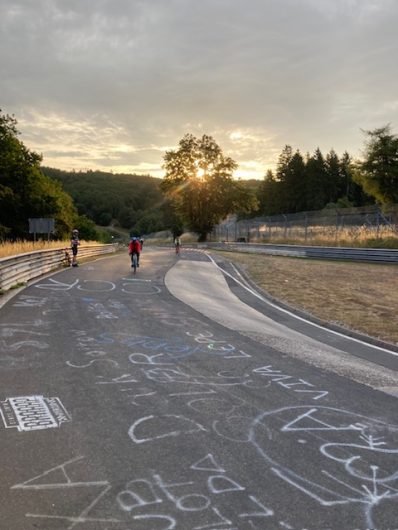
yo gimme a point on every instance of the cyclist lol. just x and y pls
(177, 244)
(135, 248)
(74, 243)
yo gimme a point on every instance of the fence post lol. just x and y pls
(285, 229)
(306, 227)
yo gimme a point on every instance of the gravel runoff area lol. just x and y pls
(360, 297)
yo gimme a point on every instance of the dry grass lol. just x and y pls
(20, 247)
(358, 296)
(327, 235)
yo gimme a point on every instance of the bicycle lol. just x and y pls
(67, 261)
(134, 262)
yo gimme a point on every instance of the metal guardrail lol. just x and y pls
(373, 255)
(24, 267)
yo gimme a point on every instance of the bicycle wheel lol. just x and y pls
(134, 263)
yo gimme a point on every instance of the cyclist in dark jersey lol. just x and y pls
(74, 243)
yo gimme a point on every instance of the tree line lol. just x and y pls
(313, 182)
(199, 182)
(310, 183)
(197, 192)
(25, 192)
(85, 200)
(133, 202)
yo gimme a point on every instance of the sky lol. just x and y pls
(114, 84)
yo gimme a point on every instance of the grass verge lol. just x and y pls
(20, 247)
(358, 296)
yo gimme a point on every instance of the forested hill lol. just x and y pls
(130, 200)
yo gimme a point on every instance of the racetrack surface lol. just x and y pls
(177, 398)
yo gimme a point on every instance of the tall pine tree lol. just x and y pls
(316, 177)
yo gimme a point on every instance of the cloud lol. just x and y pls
(88, 76)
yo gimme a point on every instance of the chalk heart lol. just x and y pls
(151, 428)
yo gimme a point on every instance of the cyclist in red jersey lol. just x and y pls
(135, 248)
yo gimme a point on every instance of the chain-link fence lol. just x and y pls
(332, 226)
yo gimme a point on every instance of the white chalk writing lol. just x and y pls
(290, 382)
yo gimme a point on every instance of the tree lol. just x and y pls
(200, 184)
(352, 193)
(150, 221)
(378, 172)
(171, 219)
(291, 173)
(268, 195)
(24, 191)
(281, 178)
(333, 189)
(87, 229)
(316, 178)
(283, 162)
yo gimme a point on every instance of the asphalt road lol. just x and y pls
(179, 398)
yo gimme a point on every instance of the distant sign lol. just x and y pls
(41, 226)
